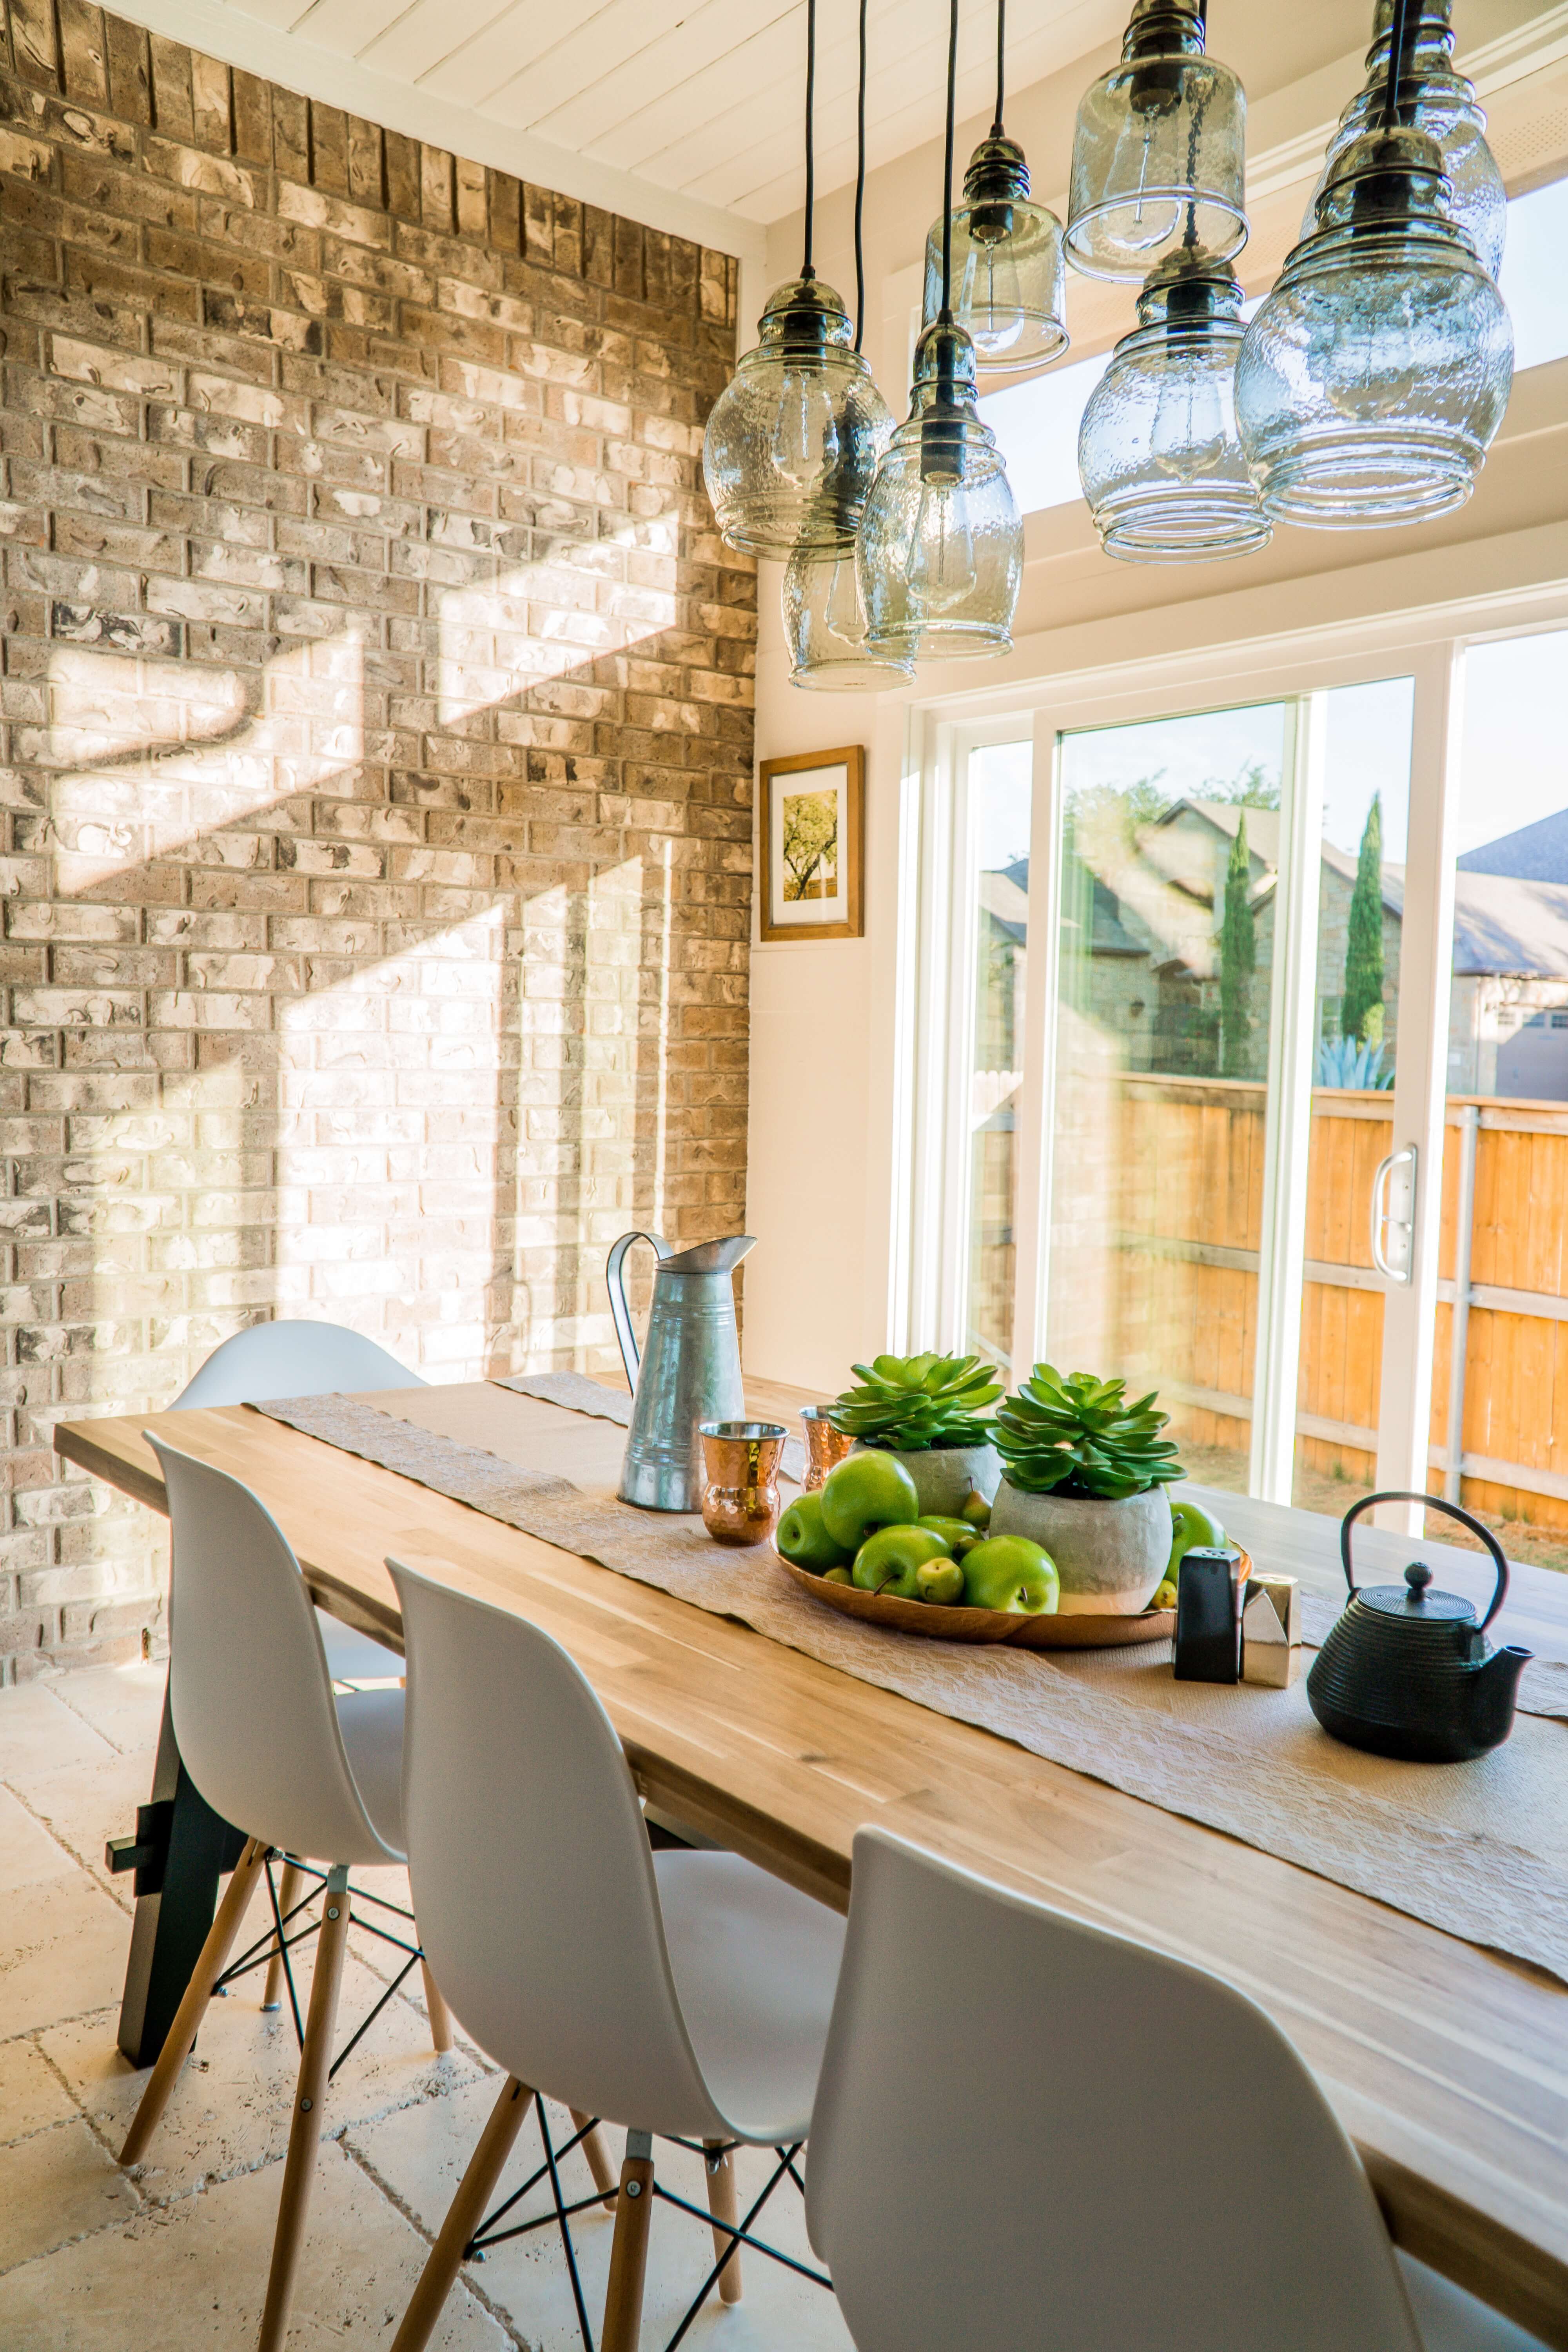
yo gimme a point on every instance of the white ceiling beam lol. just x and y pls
(237, 39)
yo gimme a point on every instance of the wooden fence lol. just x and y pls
(1175, 1295)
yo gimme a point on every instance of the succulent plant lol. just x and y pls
(1079, 1435)
(910, 1403)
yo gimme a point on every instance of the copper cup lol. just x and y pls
(826, 1446)
(740, 1466)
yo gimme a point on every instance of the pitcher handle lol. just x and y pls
(619, 1310)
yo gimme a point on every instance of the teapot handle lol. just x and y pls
(1433, 1503)
(619, 1310)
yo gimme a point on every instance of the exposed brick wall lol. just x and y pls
(377, 703)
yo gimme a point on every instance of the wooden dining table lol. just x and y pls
(1447, 2063)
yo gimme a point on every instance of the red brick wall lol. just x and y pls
(377, 705)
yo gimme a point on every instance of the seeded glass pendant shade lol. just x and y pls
(1158, 452)
(1158, 150)
(1371, 381)
(941, 549)
(825, 628)
(1009, 277)
(1435, 99)
(793, 440)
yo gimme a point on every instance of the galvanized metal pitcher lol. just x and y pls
(689, 1371)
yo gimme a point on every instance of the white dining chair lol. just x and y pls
(293, 1358)
(302, 1771)
(1029, 2130)
(687, 1991)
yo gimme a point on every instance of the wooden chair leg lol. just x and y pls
(628, 2254)
(305, 2130)
(221, 1938)
(598, 2158)
(721, 2170)
(440, 2016)
(287, 1896)
(463, 2215)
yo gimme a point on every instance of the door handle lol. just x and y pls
(1393, 1215)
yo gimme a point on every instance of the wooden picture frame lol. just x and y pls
(812, 873)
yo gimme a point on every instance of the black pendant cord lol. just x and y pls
(996, 131)
(861, 190)
(946, 312)
(806, 271)
(1401, 35)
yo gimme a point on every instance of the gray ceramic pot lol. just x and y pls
(1111, 1557)
(945, 1474)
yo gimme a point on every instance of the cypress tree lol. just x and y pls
(1360, 1008)
(1237, 959)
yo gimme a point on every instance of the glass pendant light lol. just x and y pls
(793, 440)
(1158, 453)
(1373, 379)
(940, 548)
(1009, 278)
(1435, 99)
(824, 619)
(1161, 135)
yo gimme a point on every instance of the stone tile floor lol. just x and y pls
(175, 2256)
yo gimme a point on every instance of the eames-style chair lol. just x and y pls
(302, 1771)
(686, 1993)
(1031, 2131)
(292, 1358)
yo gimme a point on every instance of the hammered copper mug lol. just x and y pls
(826, 1446)
(740, 1490)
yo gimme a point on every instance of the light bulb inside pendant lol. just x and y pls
(1158, 150)
(825, 628)
(1008, 273)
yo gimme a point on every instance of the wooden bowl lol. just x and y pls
(1083, 1630)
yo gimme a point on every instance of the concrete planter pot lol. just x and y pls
(945, 1474)
(1111, 1557)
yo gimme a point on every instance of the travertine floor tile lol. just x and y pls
(230, 2108)
(55, 2186)
(421, 2156)
(124, 1704)
(62, 1954)
(31, 2093)
(38, 1734)
(193, 2275)
(28, 1855)
(85, 1801)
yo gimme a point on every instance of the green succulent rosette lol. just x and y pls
(1074, 1435)
(911, 1403)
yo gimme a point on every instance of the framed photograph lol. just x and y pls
(813, 844)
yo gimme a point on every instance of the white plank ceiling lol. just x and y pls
(702, 99)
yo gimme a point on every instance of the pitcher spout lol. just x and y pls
(712, 1257)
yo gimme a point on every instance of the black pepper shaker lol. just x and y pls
(1208, 1617)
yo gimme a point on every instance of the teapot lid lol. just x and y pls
(1413, 1601)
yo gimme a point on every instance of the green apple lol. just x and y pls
(836, 1576)
(866, 1491)
(1012, 1573)
(976, 1509)
(956, 1533)
(887, 1561)
(941, 1580)
(1193, 1526)
(803, 1538)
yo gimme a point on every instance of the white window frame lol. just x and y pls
(930, 1275)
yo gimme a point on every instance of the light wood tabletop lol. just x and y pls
(1446, 2063)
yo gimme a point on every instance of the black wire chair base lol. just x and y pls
(277, 1942)
(739, 2233)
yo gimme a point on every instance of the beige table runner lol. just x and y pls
(1480, 1850)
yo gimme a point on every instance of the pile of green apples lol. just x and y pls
(865, 1527)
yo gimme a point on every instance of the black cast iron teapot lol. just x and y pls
(1407, 1671)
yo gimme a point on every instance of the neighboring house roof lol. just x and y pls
(1536, 853)
(1505, 924)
